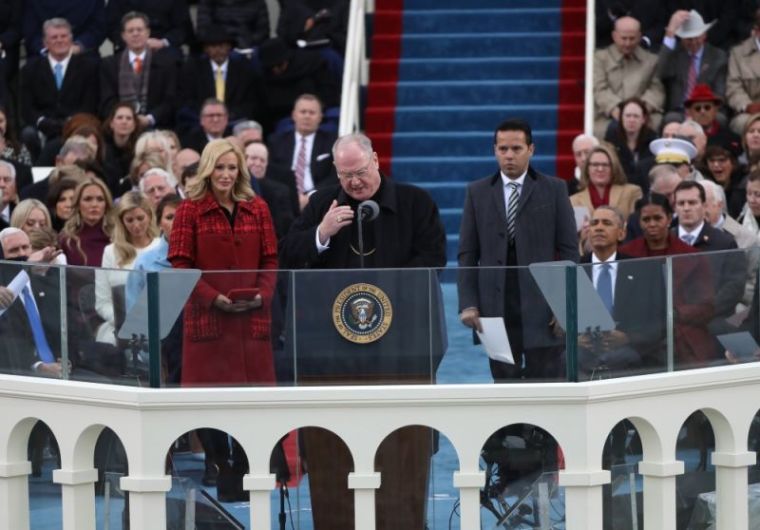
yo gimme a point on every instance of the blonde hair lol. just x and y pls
(153, 159)
(215, 149)
(24, 209)
(123, 248)
(617, 175)
(141, 146)
(74, 224)
(40, 238)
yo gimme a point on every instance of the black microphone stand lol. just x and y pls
(359, 219)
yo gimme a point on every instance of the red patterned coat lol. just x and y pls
(219, 347)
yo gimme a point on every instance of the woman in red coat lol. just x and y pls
(692, 302)
(224, 226)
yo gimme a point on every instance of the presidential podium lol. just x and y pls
(347, 327)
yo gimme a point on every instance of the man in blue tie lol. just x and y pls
(56, 85)
(630, 292)
(30, 332)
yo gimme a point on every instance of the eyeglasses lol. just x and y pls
(599, 165)
(704, 106)
(361, 174)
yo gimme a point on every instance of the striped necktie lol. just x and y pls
(514, 196)
(300, 169)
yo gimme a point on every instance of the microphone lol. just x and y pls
(368, 210)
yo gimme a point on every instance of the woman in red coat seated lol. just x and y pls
(692, 301)
(224, 226)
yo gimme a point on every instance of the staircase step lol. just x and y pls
(479, 20)
(452, 246)
(472, 44)
(465, 117)
(445, 194)
(451, 219)
(434, 5)
(455, 168)
(459, 143)
(467, 92)
(482, 68)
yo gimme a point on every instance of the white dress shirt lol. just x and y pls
(520, 181)
(695, 233)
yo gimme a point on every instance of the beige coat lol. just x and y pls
(622, 196)
(743, 82)
(617, 79)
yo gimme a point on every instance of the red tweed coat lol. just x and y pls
(219, 347)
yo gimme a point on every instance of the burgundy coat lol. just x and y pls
(692, 300)
(219, 347)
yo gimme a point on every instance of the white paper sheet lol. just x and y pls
(494, 339)
(16, 285)
(581, 215)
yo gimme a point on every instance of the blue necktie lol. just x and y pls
(40, 342)
(604, 286)
(688, 239)
(58, 71)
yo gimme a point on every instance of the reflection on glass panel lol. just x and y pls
(521, 489)
(696, 441)
(623, 496)
(540, 506)
(44, 495)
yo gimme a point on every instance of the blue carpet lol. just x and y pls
(464, 67)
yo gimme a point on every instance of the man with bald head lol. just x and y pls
(624, 70)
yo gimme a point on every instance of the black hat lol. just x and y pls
(216, 35)
(273, 52)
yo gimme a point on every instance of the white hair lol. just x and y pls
(694, 126)
(5, 233)
(718, 193)
(581, 137)
(168, 177)
(359, 139)
(10, 167)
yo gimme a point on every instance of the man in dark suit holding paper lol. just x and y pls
(514, 218)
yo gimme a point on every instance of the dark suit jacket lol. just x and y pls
(545, 231)
(195, 140)
(242, 89)
(407, 233)
(17, 349)
(673, 69)
(282, 148)
(277, 196)
(169, 19)
(41, 98)
(162, 87)
(87, 19)
(639, 303)
(728, 269)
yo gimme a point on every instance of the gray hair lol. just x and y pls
(661, 172)
(694, 126)
(56, 22)
(581, 137)
(5, 233)
(247, 125)
(168, 177)
(10, 167)
(718, 193)
(78, 146)
(354, 138)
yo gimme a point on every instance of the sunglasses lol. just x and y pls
(702, 107)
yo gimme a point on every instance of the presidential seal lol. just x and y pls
(362, 313)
